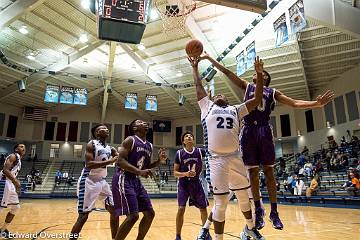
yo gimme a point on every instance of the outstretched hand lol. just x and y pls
(325, 98)
(194, 61)
(259, 65)
(162, 155)
(204, 55)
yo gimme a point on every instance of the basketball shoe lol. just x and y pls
(247, 234)
(259, 218)
(204, 235)
(276, 222)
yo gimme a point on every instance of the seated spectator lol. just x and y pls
(58, 176)
(343, 142)
(28, 178)
(308, 168)
(344, 162)
(299, 186)
(313, 186)
(301, 160)
(289, 182)
(277, 184)
(318, 167)
(301, 172)
(282, 164)
(305, 150)
(355, 185)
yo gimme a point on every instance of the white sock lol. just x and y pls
(219, 236)
(250, 223)
(4, 226)
(207, 224)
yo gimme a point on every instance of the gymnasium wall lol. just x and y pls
(347, 82)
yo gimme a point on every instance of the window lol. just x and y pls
(54, 150)
(78, 151)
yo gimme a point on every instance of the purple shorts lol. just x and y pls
(257, 145)
(129, 195)
(192, 191)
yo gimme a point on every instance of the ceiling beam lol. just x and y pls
(194, 30)
(156, 77)
(112, 50)
(37, 77)
(16, 10)
(303, 69)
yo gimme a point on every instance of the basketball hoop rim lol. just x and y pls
(193, 8)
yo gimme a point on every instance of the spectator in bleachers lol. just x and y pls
(308, 167)
(290, 181)
(282, 164)
(301, 160)
(305, 151)
(344, 162)
(58, 176)
(348, 136)
(277, 184)
(299, 186)
(355, 185)
(28, 178)
(318, 167)
(166, 177)
(328, 161)
(358, 166)
(313, 186)
(262, 179)
(301, 172)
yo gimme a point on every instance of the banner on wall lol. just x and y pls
(80, 96)
(250, 55)
(240, 64)
(297, 17)
(67, 95)
(281, 30)
(52, 94)
(131, 101)
(151, 103)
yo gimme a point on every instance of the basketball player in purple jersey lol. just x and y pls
(188, 167)
(92, 185)
(257, 139)
(130, 196)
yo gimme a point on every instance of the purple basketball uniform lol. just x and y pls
(256, 137)
(190, 188)
(129, 194)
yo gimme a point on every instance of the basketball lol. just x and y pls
(194, 48)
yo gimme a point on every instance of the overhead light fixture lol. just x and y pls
(328, 124)
(24, 30)
(280, 139)
(154, 14)
(298, 133)
(182, 99)
(179, 74)
(141, 47)
(83, 38)
(31, 56)
(85, 4)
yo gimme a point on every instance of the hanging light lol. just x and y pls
(83, 38)
(179, 74)
(24, 30)
(141, 47)
(31, 56)
(328, 124)
(85, 4)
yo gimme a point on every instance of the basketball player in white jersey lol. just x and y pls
(92, 185)
(10, 187)
(221, 123)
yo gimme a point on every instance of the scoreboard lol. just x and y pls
(122, 20)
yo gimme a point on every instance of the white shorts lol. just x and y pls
(89, 191)
(8, 193)
(227, 172)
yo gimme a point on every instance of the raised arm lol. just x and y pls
(320, 101)
(89, 158)
(229, 74)
(251, 104)
(124, 150)
(7, 171)
(200, 90)
(161, 158)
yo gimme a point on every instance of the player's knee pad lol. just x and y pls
(14, 209)
(221, 202)
(243, 200)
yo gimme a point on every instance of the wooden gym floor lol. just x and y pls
(58, 216)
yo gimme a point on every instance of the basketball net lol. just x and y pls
(173, 14)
